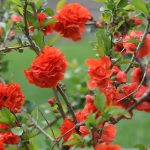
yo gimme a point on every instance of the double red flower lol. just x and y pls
(71, 21)
(47, 69)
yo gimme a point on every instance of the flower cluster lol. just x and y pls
(129, 43)
(106, 136)
(107, 78)
(12, 98)
(46, 29)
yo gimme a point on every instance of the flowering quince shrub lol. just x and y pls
(118, 76)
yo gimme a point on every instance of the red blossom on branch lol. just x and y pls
(71, 21)
(107, 147)
(47, 69)
(11, 97)
(15, 18)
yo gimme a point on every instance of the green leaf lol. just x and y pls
(38, 37)
(30, 133)
(17, 2)
(49, 11)
(49, 21)
(104, 43)
(6, 116)
(122, 3)
(133, 40)
(107, 16)
(100, 101)
(100, 1)
(90, 121)
(140, 5)
(129, 7)
(112, 111)
(29, 106)
(141, 147)
(60, 4)
(52, 40)
(17, 130)
(75, 139)
(30, 17)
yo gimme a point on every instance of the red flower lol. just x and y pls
(1, 31)
(131, 47)
(109, 133)
(45, 29)
(71, 20)
(11, 97)
(1, 145)
(67, 125)
(71, 31)
(137, 21)
(9, 138)
(89, 106)
(99, 69)
(136, 75)
(15, 18)
(121, 77)
(145, 106)
(107, 147)
(47, 69)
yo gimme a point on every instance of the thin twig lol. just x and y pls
(40, 129)
(59, 103)
(8, 49)
(7, 35)
(67, 103)
(49, 126)
(136, 90)
(26, 30)
(138, 48)
(145, 96)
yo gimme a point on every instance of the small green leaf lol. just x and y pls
(49, 11)
(100, 1)
(38, 37)
(52, 40)
(16, 2)
(112, 111)
(30, 133)
(141, 147)
(90, 121)
(30, 17)
(17, 130)
(129, 7)
(133, 40)
(100, 101)
(107, 16)
(6, 116)
(140, 5)
(49, 21)
(104, 43)
(29, 106)
(60, 4)
(75, 139)
(122, 3)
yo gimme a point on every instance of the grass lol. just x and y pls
(129, 133)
